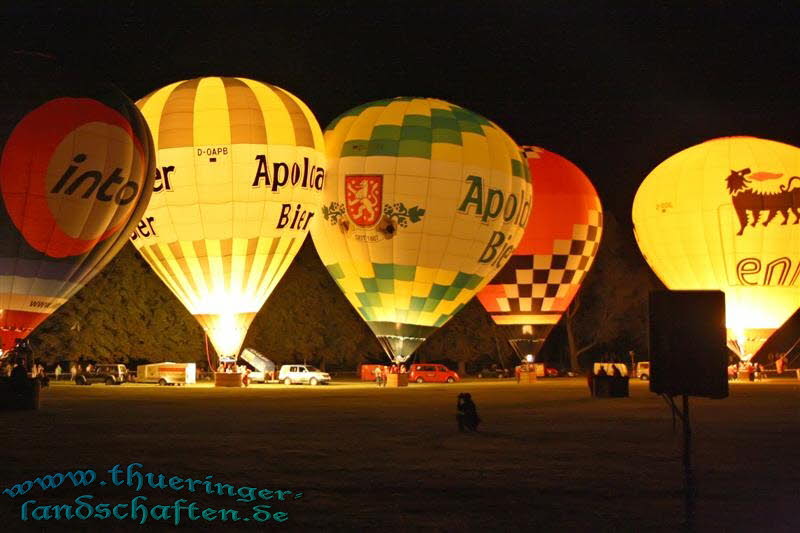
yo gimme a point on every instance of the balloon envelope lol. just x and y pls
(531, 292)
(424, 202)
(724, 215)
(75, 176)
(240, 170)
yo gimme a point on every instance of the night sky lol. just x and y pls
(615, 89)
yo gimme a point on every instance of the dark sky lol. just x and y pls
(615, 89)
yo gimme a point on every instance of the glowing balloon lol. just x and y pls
(724, 215)
(424, 202)
(529, 295)
(240, 173)
(75, 176)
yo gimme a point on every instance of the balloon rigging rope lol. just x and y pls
(208, 355)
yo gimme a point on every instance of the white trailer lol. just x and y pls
(167, 373)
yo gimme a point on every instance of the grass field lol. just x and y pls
(548, 456)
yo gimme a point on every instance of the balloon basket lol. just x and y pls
(527, 377)
(397, 380)
(228, 379)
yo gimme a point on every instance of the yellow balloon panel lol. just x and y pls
(241, 167)
(724, 215)
(425, 201)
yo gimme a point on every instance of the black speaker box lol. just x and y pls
(688, 347)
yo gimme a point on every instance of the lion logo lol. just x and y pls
(363, 199)
(765, 197)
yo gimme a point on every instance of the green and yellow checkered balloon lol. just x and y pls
(423, 203)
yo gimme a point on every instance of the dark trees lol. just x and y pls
(127, 314)
(610, 311)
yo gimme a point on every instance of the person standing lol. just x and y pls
(378, 375)
(58, 372)
(780, 364)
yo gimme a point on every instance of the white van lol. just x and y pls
(167, 373)
(290, 374)
(643, 370)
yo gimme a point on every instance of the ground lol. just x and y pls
(548, 457)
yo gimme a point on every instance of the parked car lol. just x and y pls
(291, 374)
(431, 373)
(109, 374)
(494, 373)
(552, 372)
(643, 370)
(541, 370)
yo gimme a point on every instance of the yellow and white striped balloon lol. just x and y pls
(241, 166)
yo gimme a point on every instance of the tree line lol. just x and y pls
(126, 314)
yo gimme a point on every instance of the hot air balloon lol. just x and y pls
(531, 292)
(240, 173)
(424, 202)
(724, 215)
(75, 176)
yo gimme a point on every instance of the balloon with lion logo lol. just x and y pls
(725, 215)
(425, 201)
(240, 173)
(75, 176)
(537, 285)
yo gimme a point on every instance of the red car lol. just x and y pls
(431, 373)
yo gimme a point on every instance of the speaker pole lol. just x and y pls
(687, 465)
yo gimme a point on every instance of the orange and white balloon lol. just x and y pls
(529, 295)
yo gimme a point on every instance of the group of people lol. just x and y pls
(747, 371)
(74, 370)
(381, 375)
(227, 368)
(591, 375)
(234, 368)
(36, 370)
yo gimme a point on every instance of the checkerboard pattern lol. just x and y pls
(531, 152)
(406, 294)
(542, 284)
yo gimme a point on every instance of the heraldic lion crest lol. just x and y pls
(763, 196)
